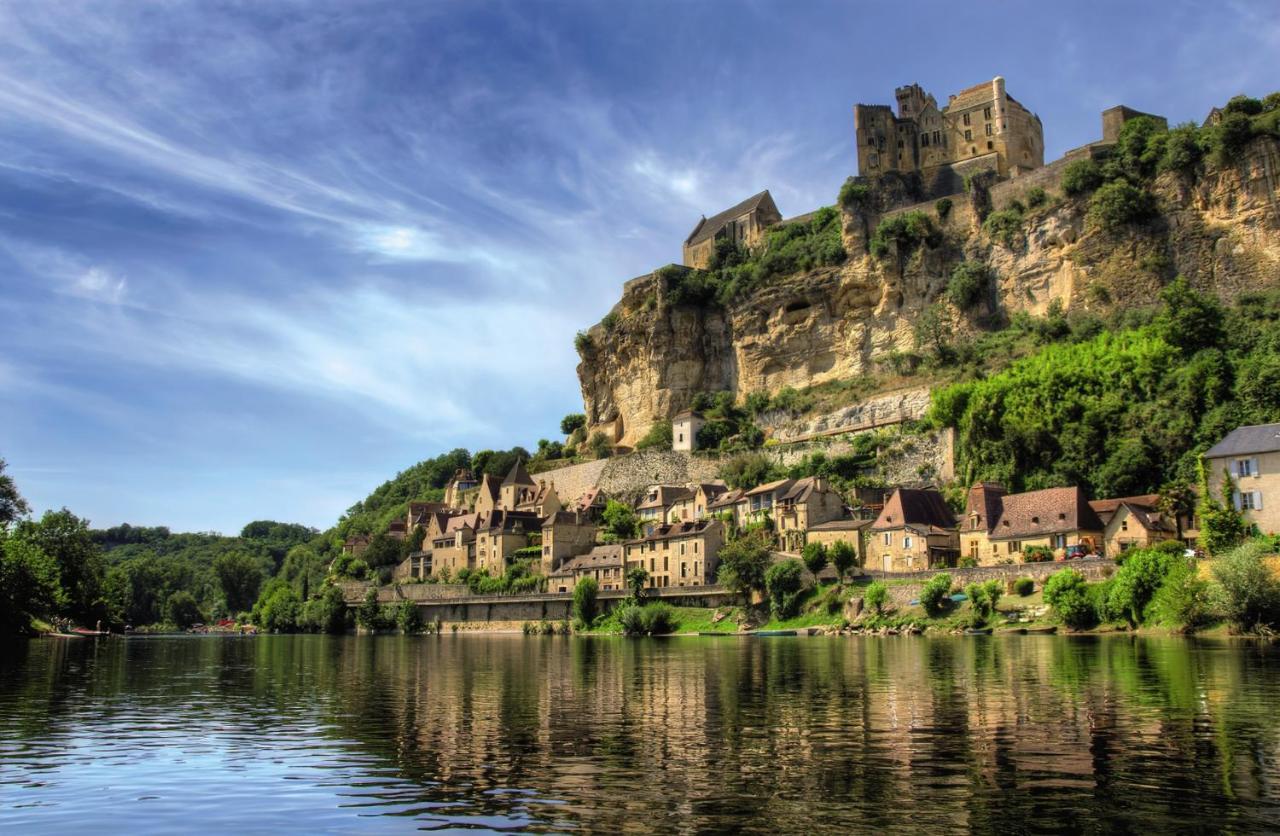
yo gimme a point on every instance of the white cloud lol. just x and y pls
(97, 283)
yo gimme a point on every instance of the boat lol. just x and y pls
(977, 631)
(1044, 628)
(713, 633)
(85, 631)
(774, 633)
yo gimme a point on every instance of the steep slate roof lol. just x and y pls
(489, 486)
(680, 529)
(565, 518)
(600, 557)
(1040, 513)
(727, 499)
(518, 475)
(916, 508)
(664, 495)
(985, 499)
(840, 525)
(1147, 518)
(708, 227)
(1105, 508)
(589, 498)
(801, 490)
(1244, 441)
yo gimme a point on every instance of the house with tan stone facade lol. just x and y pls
(743, 224)
(565, 535)
(851, 531)
(1250, 457)
(677, 554)
(603, 563)
(808, 502)
(998, 526)
(915, 531)
(654, 508)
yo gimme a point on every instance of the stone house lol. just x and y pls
(745, 224)
(454, 548)
(592, 503)
(678, 554)
(356, 544)
(980, 128)
(565, 535)
(696, 504)
(655, 508)
(684, 431)
(759, 502)
(604, 563)
(914, 532)
(1250, 456)
(843, 530)
(729, 504)
(462, 483)
(808, 502)
(499, 536)
(488, 495)
(397, 530)
(1131, 525)
(517, 488)
(542, 500)
(998, 526)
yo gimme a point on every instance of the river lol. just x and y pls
(512, 733)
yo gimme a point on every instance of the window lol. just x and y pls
(986, 113)
(989, 131)
(888, 538)
(1244, 467)
(1124, 525)
(924, 140)
(906, 541)
(1059, 541)
(968, 136)
(666, 566)
(681, 437)
(937, 138)
(1249, 500)
(683, 567)
(900, 145)
(989, 146)
(966, 121)
(1014, 546)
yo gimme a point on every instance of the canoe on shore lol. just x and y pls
(978, 631)
(1046, 628)
(774, 633)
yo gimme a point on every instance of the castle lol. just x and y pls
(981, 128)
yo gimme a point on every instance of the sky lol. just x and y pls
(256, 257)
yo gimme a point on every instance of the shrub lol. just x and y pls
(1024, 586)
(1004, 226)
(182, 610)
(853, 194)
(659, 435)
(583, 343)
(584, 601)
(600, 446)
(637, 577)
(408, 617)
(279, 609)
(908, 230)
(843, 557)
(876, 596)
(1119, 203)
(936, 595)
(1182, 150)
(572, 422)
(611, 320)
(969, 284)
(659, 619)
(1229, 138)
(784, 581)
(1250, 593)
(943, 208)
(1037, 554)
(1081, 177)
(1036, 197)
(968, 562)
(1183, 599)
(1067, 593)
(815, 558)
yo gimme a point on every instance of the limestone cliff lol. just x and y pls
(1220, 228)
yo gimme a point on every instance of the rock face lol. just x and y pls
(1220, 229)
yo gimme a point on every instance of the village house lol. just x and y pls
(678, 554)
(454, 548)
(356, 544)
(488, 495)
(695, 505)
(1133, 522)
(684, 431)
(729, 507)
(397, 530)
(499, 536)
(808, 502)
(1250, 456)
(565, 535)
(517, 488)
(743, 224)
(603, 563)
(915, 531)
(462, 483)
(759, 502)
(655, 508)
(999, 526)
(543, 501)
(592, 503)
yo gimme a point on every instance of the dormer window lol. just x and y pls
(1062, 516)
(1035, 520)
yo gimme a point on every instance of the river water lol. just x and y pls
(510, 733)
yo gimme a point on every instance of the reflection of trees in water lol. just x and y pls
(986, 733)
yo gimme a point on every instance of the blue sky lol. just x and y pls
(257, 257)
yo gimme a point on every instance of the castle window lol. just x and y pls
(968, 135)
(924, 140)
(966, 120)
(989, 145)
(899, 144)
(989, 131)
(986, 113)
(873, 159)
(936, 139)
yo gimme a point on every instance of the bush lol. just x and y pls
(600, 446)
(1024, 586)
(659, 619)
(908, 230)
(631, 618)
(876, 596)
(1036, 197)
(1229, 138)
(1183, 600)
(1037, 554)
(408, 617)
(936, 595)
(843, 557)
(967, 562)
(853, 194)
(659, 435)
(784, 582)
(1119, 203)
(815, 558)
(182, 610)
(572, 422)
(584, 601)
(1081, 177)
(969, 284)
(943, 208)
(583, 343)
(611, 320)
(1250, 593)
(1004, 226)
(1067, 593)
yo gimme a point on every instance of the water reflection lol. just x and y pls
(1019, 734)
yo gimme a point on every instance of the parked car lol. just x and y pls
(1076, 552)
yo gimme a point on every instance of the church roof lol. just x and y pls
(708, 227)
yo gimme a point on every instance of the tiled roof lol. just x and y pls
(1104, 508)
(1040, 513)
(600, 557)
(680, 529)
(1149, 519)
(771, 487)
(917, 508)
(727, 499)
(518, 475)
(1244, 441)
(664, 495)
(708, 227)
(840, 525)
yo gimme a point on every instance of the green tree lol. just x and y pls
(969, 285)
(637, 577)
(843, 557)
(409, 618)
(584, 601)
(1189, 320)
(279, 610)
(659, 435)
(1119, 203)
(600, 446)
(935, 596)
(571, 422)
(81, 569)
(620, 521)
(744, 561)
(1250, 592)
(1136, 582)
(12, 506)
(240, 576)
(1222, 527)
(29, 585)
(182, 610)
(876, 596)
(329, 612)
(1081, 177)
(1067, 593)
(369, 613)
(815, 558)
(784, 582)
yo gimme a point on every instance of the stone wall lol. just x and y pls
(574, 480)
(903, 594)
(883, 410)
(625, 477)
